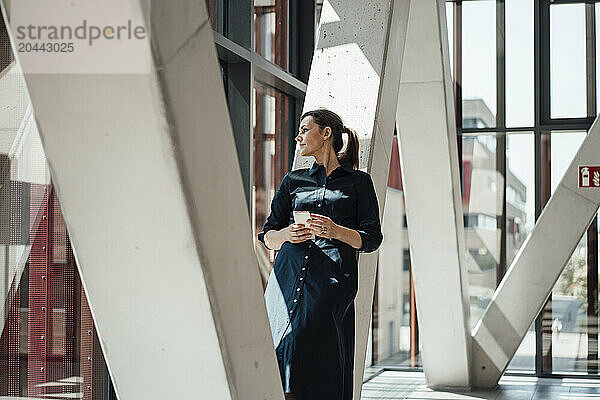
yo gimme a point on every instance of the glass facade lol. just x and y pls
(395, 336)
(519, 63)
(567, 60)
(565, 319)
(49, 346)
(264, 89)
(525, 93)
(520, 191)
(482, 205)
(271, 30)
(272, 152)
(478, 46)
(546, 90)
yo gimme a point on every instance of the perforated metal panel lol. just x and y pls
(49, 346)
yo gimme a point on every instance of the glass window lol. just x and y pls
(524, 358)
(564, 146)
(271, 30)
(395, 337)
(482, 205)
(567, 61)
(520, 209)
(520, 191)
(482, 182)
(564, 319)
(519, 63)
(479, 58)
(569, 314)
(272, 149)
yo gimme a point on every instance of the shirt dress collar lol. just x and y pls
(315, 167)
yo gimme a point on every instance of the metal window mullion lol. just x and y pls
(501, 123)
(457, 64)
(538, 23)
(592, 233)
(288, 38)
(542, 62)
(252, 30)
(542, 194)
(457, 74)
(222, 17)
(578, 125)
(590, 64)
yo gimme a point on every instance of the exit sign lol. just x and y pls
(589, 176)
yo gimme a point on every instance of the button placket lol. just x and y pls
(302, 277)
(300, 285)
(297, 295)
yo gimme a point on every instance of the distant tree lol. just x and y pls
(573, 280)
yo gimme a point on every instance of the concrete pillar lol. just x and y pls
(356, 72)
(146, 171)
(534, 271)
(430, 175)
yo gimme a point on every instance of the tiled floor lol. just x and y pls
(411, 385)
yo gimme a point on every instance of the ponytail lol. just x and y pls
(350, 154)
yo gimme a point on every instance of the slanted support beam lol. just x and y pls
(430, 176)
(356, 72)
(536, 268)
(146, 171)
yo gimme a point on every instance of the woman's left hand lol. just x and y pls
(322, 226)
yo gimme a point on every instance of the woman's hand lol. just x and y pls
(323, 226)
(298, 233)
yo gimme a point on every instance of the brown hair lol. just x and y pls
(324, 117)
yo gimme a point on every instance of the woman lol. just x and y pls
(310, 292)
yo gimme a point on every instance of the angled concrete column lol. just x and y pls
(146, 170)
(430, 175)
(356, 72)
(537, 266)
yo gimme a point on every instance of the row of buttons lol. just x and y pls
(301, 279)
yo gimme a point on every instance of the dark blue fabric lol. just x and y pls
(310, 292)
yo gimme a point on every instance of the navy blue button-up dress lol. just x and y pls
(310, 292)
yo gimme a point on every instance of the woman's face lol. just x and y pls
(311, 138)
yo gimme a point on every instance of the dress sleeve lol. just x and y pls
(281, 208)
(369, 226)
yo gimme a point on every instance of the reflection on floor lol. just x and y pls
(401, 359)
(411, 385)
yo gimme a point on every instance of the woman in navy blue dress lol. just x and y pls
(310, 292)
